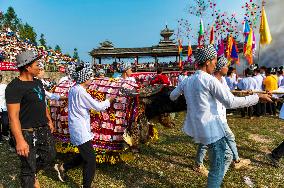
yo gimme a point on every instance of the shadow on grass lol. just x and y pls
(133, 176)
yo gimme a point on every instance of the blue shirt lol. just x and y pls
(248, 83)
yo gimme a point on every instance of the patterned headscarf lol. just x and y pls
(205, 53)
(222, 62)
(83, 74)
(70, 70)
(126, 66)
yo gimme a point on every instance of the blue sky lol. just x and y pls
(84, 24)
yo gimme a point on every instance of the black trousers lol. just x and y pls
(260, 109)
(4, 129)
(41, 154)
(271, 108)
(278, 152)
(248, 110)
(87, 157)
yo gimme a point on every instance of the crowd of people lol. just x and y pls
(11, 45)
(208, 94)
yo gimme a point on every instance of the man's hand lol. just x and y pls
(264, 98)
(22, 148)
(51, 126)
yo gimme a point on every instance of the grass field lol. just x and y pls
(169, 162)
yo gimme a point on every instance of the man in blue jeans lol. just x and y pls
(219, 73)
(203, 121)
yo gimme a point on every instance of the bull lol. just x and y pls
(126, 119)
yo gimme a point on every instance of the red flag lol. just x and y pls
(212, 35)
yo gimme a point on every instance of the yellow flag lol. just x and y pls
(265, 36)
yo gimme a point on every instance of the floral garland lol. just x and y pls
(107, 127)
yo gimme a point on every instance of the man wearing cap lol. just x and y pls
(30, 122)
(126, 70)
(80, 102)
(203, 121)
(219, 73)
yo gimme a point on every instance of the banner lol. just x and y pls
(8, 66)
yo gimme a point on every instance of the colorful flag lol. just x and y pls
(180, 52)
(234, 53)
(249, 47)
(229, 46)
(221, 48)
(189, 51)
(246, 28)
(212, 35)
(265, 36)
(200, 33)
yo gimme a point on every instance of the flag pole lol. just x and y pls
(258, 55)
(258, 58)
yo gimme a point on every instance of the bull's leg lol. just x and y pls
(144, 129)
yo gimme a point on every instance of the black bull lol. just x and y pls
(160, 103)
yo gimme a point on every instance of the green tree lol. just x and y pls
(57, 48)
(27, 32)
(11, 20)
(1, 19)
(75, 54)
(42, 40)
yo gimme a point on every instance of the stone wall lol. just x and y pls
(9, 75)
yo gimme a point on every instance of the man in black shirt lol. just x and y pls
(31, 124)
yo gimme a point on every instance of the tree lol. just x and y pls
(75, 54)
(67, 54)
(1, 19)
(57, 48)
(42, 40)
(11, 20)
(27, 32)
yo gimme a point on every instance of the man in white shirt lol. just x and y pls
(4, 131)
(203, 121)
(221, 71)
(79, 104)
(245, 84)
(260, 107)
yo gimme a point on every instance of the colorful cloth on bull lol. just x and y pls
(108, 126)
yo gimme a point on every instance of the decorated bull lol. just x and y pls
(125, 121)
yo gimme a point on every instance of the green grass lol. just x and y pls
(169, 162)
